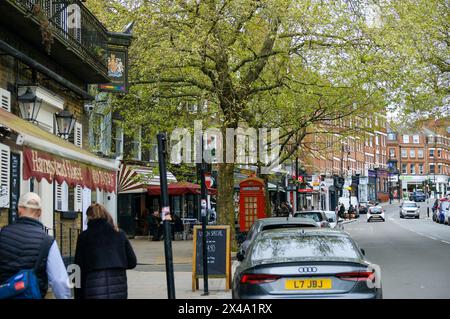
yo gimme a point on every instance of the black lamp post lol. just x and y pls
(65, 122)
(29, 105)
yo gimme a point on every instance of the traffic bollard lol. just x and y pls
(428, 211)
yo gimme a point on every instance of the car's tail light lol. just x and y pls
(357, 276)
(324, 224)
(258, 278)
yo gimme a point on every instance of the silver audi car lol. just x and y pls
(305, 263)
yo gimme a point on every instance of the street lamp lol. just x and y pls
(29, 105)
(65, 121)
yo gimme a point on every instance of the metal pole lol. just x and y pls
(165, 209)
(296, 183)
(204, 205)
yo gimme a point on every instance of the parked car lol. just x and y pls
(313, 263)
(318, 216)
(409, 209)
(443, 212)
(274, 223)
(364, 207)
(333, 220)
(417, 196)
(375, 213)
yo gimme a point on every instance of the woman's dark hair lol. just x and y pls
(98, 211)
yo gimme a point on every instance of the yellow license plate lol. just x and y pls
(308, 284)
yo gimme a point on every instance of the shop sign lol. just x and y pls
(41, 165)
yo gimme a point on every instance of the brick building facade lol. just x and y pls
(422, 160)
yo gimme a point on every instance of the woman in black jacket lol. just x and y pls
(103, 255)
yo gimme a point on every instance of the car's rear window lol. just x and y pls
(267, 227)
(316, 216)
(409, 205)
(303, 246)
(376, 210)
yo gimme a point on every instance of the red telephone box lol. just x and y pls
(252, 203)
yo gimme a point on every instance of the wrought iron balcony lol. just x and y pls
(69, 33)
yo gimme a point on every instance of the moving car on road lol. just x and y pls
(375, 213)
(318, 216)
(305, 263)
(409, 209)
(417, 196)
(274, 223)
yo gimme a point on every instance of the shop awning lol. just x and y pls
(50, 157)
(37, 138)
(180, 188)
(134, 178)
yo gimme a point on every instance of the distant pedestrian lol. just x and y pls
(154, 222)
(341, 211)
(351, 211)
(103, 255)
(21, 244)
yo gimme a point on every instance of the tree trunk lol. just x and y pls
(265, 177)
(225, 199)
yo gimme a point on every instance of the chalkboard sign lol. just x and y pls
(14, 187)
(218, 251)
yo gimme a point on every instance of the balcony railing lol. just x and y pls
(75, 25)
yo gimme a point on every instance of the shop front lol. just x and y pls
(67, 178)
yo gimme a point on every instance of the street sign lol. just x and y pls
(209, 180)
(218, 240)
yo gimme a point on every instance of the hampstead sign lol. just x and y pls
(40, 165)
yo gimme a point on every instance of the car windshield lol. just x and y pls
(409, 205)
(316, 216)
(303, 246)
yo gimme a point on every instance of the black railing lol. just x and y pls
(72, 23)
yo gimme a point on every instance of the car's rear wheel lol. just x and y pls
(417, 217)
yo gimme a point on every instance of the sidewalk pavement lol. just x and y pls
(148, 279)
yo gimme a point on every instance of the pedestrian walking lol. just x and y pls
(351, 211)
(342, 211)
(103, 254)
(25, 245)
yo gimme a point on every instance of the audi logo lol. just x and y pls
(307, 269)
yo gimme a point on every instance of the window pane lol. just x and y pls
(405, 138)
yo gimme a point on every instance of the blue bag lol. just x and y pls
(25, 284)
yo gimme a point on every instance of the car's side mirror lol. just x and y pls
(240, 255)
(363, 252)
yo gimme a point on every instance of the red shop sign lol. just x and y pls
(41, 165)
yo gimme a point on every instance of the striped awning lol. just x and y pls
(139, 178)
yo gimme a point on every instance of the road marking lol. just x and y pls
(431, 237)
(444, 241)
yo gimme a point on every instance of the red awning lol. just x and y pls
(41, 165)
(180, 189)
